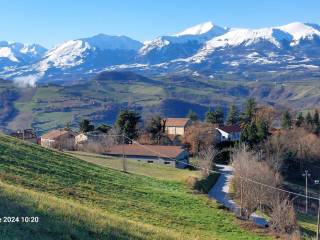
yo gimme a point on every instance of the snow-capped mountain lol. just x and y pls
(205, 49)
(181, 45)
(18, 54)
(74, 58)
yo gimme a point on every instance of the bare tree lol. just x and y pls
(206, 159)
(283, 217)
(249, 172)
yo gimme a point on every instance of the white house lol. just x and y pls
(229, 133)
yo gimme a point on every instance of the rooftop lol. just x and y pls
(54, 134)
(230, 128)
(176, 122)
(146, 150)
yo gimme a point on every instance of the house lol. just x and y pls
(58, 139)
(229, 133)
(176, 126)
(26, 135)
(170, 155)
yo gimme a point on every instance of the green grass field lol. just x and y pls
(75, 199)
(158, 171)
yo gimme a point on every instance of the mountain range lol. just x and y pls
(205, 49)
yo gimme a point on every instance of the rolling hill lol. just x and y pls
(49, 106)
(74, 199)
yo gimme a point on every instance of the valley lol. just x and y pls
(100, 99)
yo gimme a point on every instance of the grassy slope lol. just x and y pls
(78, 200)
(158, 171)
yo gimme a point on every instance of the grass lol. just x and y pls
(158, 171)
(74, 200)
(308, 225)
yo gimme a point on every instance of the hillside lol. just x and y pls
(49, 106)
(78, 200)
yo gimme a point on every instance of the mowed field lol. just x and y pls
(154, 170)
(75, 199)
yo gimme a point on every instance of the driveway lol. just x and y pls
(220, 192)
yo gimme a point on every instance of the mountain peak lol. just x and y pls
(104, 41)
(197, 29)
(301, 30)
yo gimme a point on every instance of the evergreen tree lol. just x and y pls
(193, 116)
(249, 134)
(215, 117)
(286, 120)
(300, 120)
(316, 121)
(262, 130)
(233, 115)
(85, 126)
(219, 116)
(126, 123)
(104, 128)
(155, 128)
(210, 116)
(247, 116)
(309, 120)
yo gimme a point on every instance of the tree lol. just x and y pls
(210, 116)
(126, 124)
(247, 116)
(85, 126)
(249, 134)
(104, 128)
(233, 115)
(192, 115)
(283, 216)
(215, 117)
(262, 130)
(206, 160)
(219, 116)
(309, 119)
(248, 170)
(316, 122)
(155, 128)
(286, 120)
(300, 120)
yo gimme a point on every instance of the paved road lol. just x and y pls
(220, 192)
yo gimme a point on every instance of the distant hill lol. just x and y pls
(120, 76)
(100, 99)
(73, 199)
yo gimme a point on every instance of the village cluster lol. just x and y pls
(174, 152)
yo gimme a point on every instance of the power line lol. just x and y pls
(213, 171)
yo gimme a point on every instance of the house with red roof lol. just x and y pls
(169, 155)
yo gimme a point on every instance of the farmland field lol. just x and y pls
(78, 200)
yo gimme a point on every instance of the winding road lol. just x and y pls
(220, 192)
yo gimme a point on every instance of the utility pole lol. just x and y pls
(318, 218)
(124, 160)
(306, 175)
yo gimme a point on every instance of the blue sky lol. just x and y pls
(49, 22)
